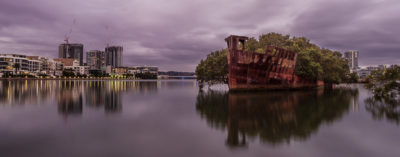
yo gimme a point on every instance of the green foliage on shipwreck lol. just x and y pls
(313, 62)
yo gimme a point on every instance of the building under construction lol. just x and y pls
(73, 51)
(95, 59)
(113, 56)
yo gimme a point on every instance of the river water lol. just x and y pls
(173, 118)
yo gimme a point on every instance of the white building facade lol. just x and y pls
(18, 64)
(77, 69)
(352, 57)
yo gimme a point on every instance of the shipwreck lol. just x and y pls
(273, 69)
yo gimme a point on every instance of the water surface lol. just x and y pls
(174, 118)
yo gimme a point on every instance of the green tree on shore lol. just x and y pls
(352, 78)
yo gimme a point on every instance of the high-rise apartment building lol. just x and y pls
(95, 59)
(352, 58)
(74, 51)
(113, 56)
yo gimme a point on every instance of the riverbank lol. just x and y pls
(94, 78)
(66, 79)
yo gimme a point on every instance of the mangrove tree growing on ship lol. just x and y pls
(313, 62)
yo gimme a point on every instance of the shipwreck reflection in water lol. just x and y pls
(273, 117)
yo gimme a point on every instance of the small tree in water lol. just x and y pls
(214, 69)
(385, 82)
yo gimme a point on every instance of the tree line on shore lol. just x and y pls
(313, 62)
(385, 83)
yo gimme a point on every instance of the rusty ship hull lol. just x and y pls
(273, 69)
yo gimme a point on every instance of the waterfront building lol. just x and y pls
(49, 66)
(56, 68)
(67, 61)
(107, 69)
(393, 66)
(372, 68)
(352, 57)
(119, 70)
(113, 56)
(363, 73)
(18, 64)
(74, 51)
(34, 64)
(142, 69)
(382, 67)
(44, 65)
(95, 59)
(78, 69)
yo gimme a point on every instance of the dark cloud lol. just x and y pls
(367, 26)
(177, 34)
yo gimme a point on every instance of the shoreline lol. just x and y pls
(85, 79)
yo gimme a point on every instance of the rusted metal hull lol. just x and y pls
(273, 69)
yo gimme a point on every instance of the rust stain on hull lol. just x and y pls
(273, 69)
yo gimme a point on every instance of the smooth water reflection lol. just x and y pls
(73, 95)
(174, 118)
(274, 117)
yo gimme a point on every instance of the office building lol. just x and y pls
(352, 58)
(74, 51)
(113, 56)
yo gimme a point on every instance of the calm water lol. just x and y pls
(172, 118)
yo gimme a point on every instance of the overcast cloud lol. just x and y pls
(177, 34)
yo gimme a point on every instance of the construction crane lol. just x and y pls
(67, 36)
(107, 36)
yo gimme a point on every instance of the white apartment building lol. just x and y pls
(77, 69)
(352, 58)
(143, 69)
(50, 67)
(18, 64)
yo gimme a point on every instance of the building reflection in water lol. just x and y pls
(94, 92)
(273, 117)
(24, 92)
(384, 108)
(106, 94)
(73, 95)
(69, 98)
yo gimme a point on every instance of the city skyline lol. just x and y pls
(176, 35)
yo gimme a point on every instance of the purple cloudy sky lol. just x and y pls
(176, 34)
